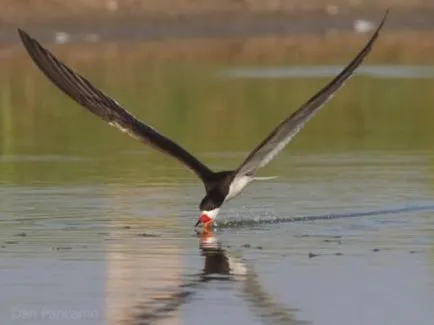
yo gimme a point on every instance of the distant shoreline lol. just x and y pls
(57, 11)
(138, 27)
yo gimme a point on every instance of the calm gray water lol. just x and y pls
(318, 71)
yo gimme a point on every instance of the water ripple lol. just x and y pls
(238, 223)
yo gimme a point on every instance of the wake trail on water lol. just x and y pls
(240, 223)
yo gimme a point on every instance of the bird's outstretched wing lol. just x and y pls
(286, 130)
(94, 100)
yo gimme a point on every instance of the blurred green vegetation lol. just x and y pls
(45, 135)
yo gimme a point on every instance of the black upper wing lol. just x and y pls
(82, 91)
(285, 131)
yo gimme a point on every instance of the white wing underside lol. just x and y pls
(237, 185)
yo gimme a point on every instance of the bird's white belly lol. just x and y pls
(237, 186)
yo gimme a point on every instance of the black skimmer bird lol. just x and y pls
(219, 186)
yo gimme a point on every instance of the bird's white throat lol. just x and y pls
(211, 213)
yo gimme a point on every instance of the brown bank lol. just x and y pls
(21, 11)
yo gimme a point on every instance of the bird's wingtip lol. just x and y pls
(386, 13)
(23, 35)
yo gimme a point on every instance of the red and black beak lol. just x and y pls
(204, 219)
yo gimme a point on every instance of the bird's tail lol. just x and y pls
(264, 178)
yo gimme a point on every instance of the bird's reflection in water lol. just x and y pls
(220, 265)
(220, 262)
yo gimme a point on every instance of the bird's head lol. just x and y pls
(209, 210)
